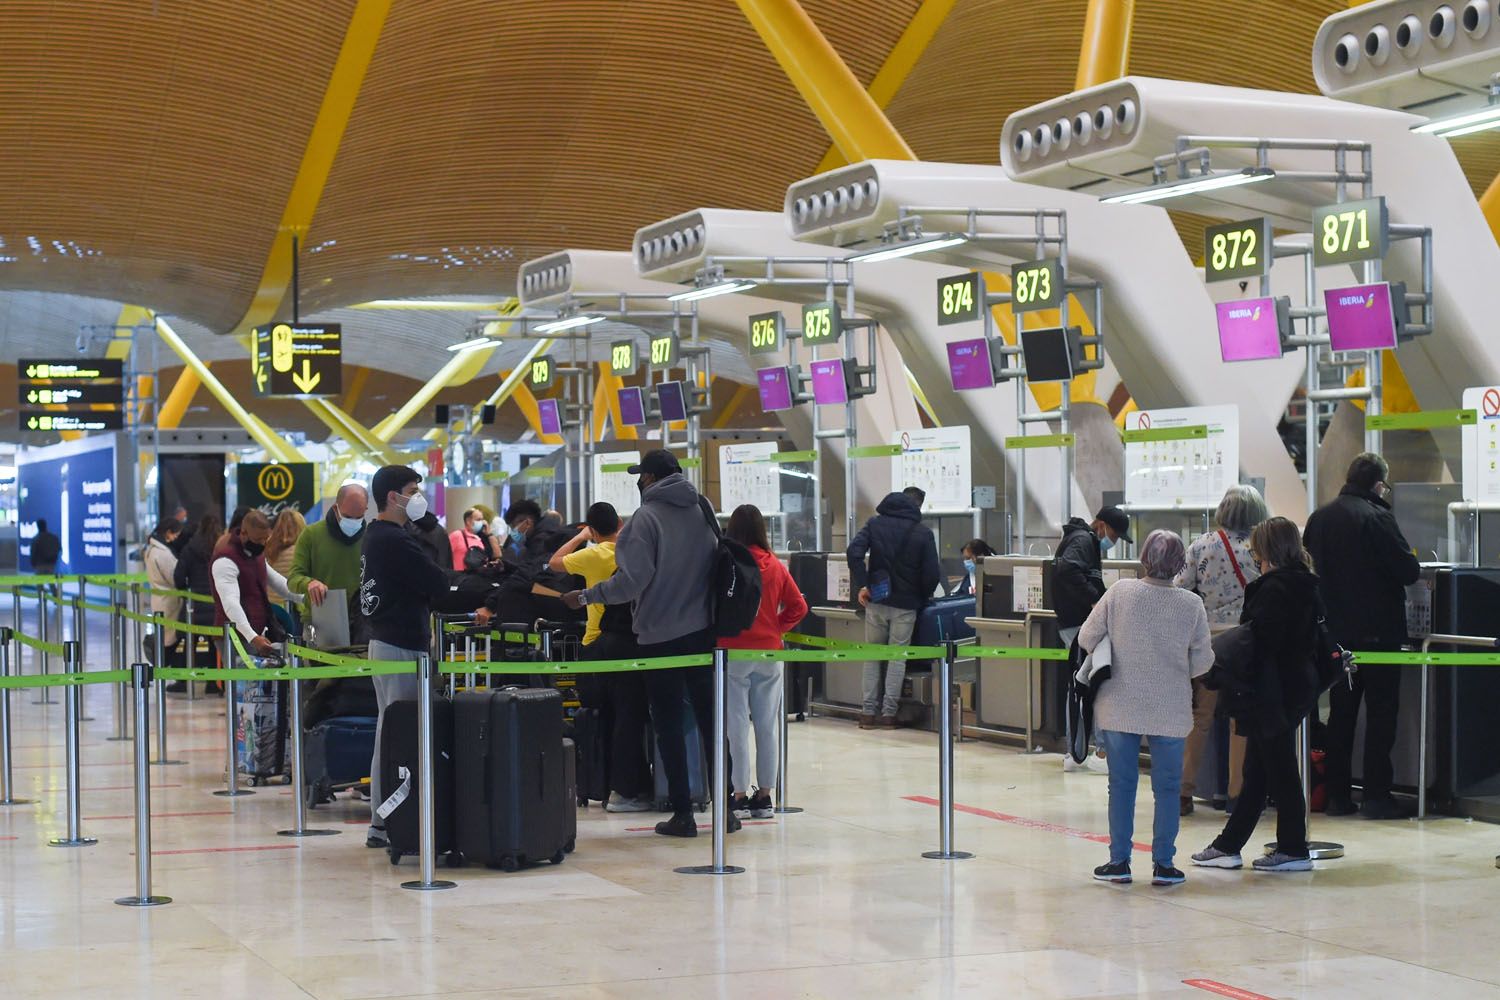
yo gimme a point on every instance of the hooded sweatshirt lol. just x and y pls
(324, 553)
(898, 544)
(782, 606)
(664, 557)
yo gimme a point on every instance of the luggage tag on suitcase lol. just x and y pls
(400, 795)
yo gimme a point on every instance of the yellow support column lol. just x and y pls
(533, 413)
(851, 117)
(1105, 53)
(175, 406)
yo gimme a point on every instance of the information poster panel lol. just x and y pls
(1481, 445)
(748, 474)
(71, 487)
(612, 484)
(1182, 471)
(1026, 588)
(938, 460)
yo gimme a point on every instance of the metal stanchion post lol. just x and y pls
(80, 636)
(299, 774)
(140, 685)
(945, 760)
(159, 646)
(1318, 850)
(7, 790)
(781, 764)
(15, 626)
(427, 828)
(44, 631)
(469, 649)
(190, 645)
(75, 837)
(721, 774)
(118, 660)
(232, 769)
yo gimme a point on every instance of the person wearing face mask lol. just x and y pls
(326, 556)
(1078, 584)
(534, 536)
(469, 536)
(1365, 564)
(243, 583)
(974, 550)
(161, 568)
(399, 579)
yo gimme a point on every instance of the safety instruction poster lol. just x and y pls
(1190, 472)
(1026, 588)
(748, 474)
(939, 461)
(617, 486)
(1481, 446)
(838, 582)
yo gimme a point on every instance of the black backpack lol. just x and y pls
(734, 582)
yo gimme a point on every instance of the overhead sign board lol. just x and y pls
(542, 373)
(272, 487)
(1036, 284)
(664, 347)
(1360, 317)
(70, 394)
(1350, 231)
(822, 323)
(1237, 250)
(767, 331)
(622, 357)
(44, 421)
(959, 298)
(298, 359)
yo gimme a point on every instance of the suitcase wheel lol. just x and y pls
(454, 860)
(557, 858)
(509, 864)
(253, 780)
(570, 846)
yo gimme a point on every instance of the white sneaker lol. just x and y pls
(1093, 765)
(1212, 857)
(616, 804)
(1279, 862)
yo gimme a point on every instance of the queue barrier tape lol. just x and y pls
(1012, 653)
(108, 580)
(15, 681)
(1431, 659)
(50, 648)
(103, 609)
(578, 666)
(364, 668)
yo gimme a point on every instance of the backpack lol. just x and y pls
(733, 582)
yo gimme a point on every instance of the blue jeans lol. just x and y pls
(1123, 752)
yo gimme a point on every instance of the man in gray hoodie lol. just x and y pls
(664, 559)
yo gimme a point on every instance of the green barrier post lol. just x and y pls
(75, 837)
(945, 851)
(232, 789)
(426, 818)
(7, 792)
(141, 686)
(721, 774)
(159, 646)
(299, 774)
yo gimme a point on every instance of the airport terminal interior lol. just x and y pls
(749, 498)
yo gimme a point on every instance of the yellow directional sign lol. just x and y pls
(298, 359)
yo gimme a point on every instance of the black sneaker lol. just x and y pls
(734, 824)
(760, 805)
(740, 807)
(1340, 807)
(177, 687)
(1386, 808)
(1166, 875)
(680, 825)
(1117, 872)
(376, 838)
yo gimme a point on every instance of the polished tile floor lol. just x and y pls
(835, 902)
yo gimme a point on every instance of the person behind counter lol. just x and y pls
(974, 550)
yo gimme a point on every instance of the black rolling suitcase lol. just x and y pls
(569, 798)
(592, 758)
(399, 780)
(510, 775)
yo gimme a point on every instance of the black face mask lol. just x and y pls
(253, 549)
(642, 485)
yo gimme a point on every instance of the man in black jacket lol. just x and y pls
(1078, 584)
(903, 572)
(1363, 564)
(399, 579)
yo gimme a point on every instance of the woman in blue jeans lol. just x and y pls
(1159, 640)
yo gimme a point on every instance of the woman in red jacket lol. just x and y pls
(755, 688)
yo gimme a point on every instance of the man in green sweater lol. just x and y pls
(327, 553)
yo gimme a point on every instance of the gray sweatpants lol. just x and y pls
(754, 701)
(397, 687)
(886, 626)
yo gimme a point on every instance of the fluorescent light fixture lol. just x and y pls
(726, 287)
(437, 305)
(475, 344)
(923, 245)
(1464, 124)
(571, 323)
(1195, 185)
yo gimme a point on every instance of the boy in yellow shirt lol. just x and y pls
(595, 563)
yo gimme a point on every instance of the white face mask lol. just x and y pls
(478, 527)
(351, 525)
(416, 507)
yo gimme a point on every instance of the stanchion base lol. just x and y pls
(80, 842)
(787, 810)
(429, 886)
(87, 718)
(227, 794)
(308, 833)
(118, 739)
(143, 900)
(1319, 850)
(15, 802)
(710, 870)
(950, 856)
(166, 763)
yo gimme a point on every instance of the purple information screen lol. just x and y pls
(1248, 330)
(775, 388)
(632, 406)
(671, 401)
(829, 387)
(1360, 318)
(551, 418)
(969, 364)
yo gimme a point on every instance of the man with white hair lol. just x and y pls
(327, 553)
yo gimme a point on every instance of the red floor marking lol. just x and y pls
(703, 826)
(225, 812)
(1224, 991)
(1030, 824)
(229, 850)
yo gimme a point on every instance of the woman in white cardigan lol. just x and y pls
(1159, 639)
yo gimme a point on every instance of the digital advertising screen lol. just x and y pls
(829, 387)
(969, 364)
(1360, 317)
(1249, 330)
(72, 488)
(671, 401)
(551, 417)
(775, 388)
(632, 406)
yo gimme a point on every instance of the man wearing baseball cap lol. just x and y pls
(1078, 582)
(664, 557)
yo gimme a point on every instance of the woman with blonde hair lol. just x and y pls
(281, 547)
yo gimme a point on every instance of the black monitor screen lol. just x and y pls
(1048, 355)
